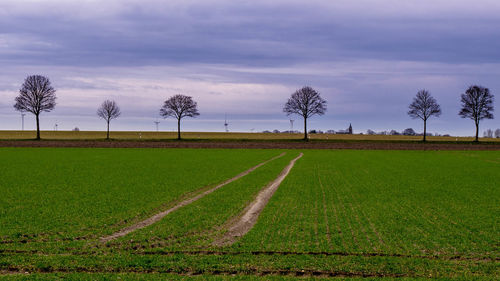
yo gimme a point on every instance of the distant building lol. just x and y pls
(347, 131)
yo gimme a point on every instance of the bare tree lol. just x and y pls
(488, 133)
(424, 106)
(179, 106)
(497, 133)
(409, 132)
(108, 110)
(305, 102)
(477, 104)
(36, 96)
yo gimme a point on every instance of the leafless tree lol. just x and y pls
(179, 106)
(36, 96)
(424, 106)
(305, 102)
(409, 132)
(477, 104)
(497, 133)
(108, 110)
(488, 133)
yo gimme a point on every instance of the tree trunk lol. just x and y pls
(37, 127)
(477, 131)
(305, 128)
(425, 129)
(107, 132)
(179, 128)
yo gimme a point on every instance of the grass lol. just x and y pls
(193, 136)
(413, 203)
(344, 213)
(68, 193)
(187, 229)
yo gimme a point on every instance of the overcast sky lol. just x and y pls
(244, 59)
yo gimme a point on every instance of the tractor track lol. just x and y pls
(157, 217)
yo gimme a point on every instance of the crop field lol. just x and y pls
(337, 213)
(148, 135)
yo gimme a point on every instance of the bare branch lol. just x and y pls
(108, 110)
(477, 104)
(179, 106)
(36, 95)
(305, 102)
(424, 106)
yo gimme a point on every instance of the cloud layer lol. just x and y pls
(244, 58)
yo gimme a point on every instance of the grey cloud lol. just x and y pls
(368, 58)
(249, 33)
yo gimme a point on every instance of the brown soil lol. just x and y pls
(160, 215)
(253, 144)
(74, 252)
(188, 272)
(247, 220)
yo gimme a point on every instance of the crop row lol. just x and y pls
(400, 203)
(69, 193)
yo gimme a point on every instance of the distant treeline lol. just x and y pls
(37, 95)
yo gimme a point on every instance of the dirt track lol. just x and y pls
(251, 213)
(254, 144)
(161, 215)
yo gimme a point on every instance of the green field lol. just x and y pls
(343, 213)
(134, 135)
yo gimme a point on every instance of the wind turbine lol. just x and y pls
(22, 117)
(225, 123)
(156, 123)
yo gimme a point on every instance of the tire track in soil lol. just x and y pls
(217, 272)
(265, 253)
(251, 213)
(157, 217)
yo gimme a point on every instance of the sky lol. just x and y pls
(243, 60)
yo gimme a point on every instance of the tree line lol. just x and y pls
(37, 95)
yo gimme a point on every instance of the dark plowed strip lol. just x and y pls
(191, 272)
(258, 253)
(388, 145)
(250, 215)
(160, 215)
(346, 254)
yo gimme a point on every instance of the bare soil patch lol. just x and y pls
(188, 272)
(188, 201)
(378, 145)
(251, 213)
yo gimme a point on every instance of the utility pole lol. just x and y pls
(22, 117)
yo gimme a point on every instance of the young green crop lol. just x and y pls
(342, 213)
(423, 203)
(66, 193)
(198, 224)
